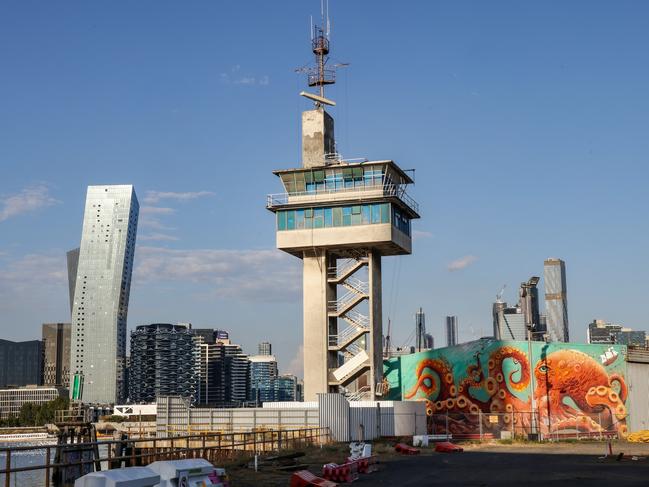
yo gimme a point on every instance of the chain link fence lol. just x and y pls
(526, 425)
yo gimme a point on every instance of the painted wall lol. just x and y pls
(576, 387)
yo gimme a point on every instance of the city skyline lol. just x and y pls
(103, 129)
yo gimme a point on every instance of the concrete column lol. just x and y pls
(376, 320)
(317, 137)
(317, 293)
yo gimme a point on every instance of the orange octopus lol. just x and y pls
(571, 374)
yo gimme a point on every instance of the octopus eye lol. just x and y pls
(544, 368)
(427, 382)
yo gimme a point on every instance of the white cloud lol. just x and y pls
(156, 210)
(31, 270)
(153, 197)
(296, 365)
(461, 263)
(266, 275)
(160, 237)
(419, 234)
(29, 199)
(234, 77)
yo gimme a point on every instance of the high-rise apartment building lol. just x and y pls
(101, 294)
(162, 363)
(222, 370)
(556, 300)
(511, 324)
(287, 388)
(265, 348)
(56, 356)
(262, 374)
(451, 331)
(21, 363)
(599, 331)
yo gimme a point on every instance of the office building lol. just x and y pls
(340, 218)
(13, 399)
(529, 302)
(556, 300)
(511, 324)
(101, 294)
(451, 331)
(423, 340)
(162, 363)
(262, 374)
(265, 348)
(287, 388)
(21, 363)
(600, 331)
(56, 354)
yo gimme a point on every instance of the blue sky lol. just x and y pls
(526, 122)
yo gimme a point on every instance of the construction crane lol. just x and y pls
(386, 351)
(499, 296)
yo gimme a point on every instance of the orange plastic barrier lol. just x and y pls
(446, 447)
(406, 449)
(304, 478)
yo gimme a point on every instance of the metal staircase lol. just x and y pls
(344, 274)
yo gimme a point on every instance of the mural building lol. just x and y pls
(487, 386)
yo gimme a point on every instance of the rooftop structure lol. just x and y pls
(340, 217)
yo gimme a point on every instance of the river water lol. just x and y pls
(33, 478)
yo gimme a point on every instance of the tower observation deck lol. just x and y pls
(341, 218)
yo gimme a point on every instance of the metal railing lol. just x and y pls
(213, 447)
(524, 425)
(387, 190)
(346, 300)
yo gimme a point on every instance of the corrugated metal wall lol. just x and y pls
(347, 421)
(638, 401)
(334, 414)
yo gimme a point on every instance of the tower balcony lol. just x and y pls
(390, 192)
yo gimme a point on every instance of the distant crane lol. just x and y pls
(499, 296)
(386, 351)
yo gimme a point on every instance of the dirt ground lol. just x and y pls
(483, 465)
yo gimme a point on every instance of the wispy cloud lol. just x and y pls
(153, 197)
(296, 365)
(29, 199)
(155, 210)
(461, 263)
(158, 237)
(419, 234)
(33, 270)
(266, 275)
(235, 77)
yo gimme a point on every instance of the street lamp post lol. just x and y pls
(533, 424)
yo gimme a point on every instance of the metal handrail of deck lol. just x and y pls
(205, 445)
(278, 199)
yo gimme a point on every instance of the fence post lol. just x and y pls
(279, 439)
(599, 415)
(446, 424)
(480, 423)
(7, 468)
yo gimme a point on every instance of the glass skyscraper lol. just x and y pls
(102, 288)
(556, 301)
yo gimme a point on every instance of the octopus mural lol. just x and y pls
(486, 386)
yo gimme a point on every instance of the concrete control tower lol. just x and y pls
(340, 217)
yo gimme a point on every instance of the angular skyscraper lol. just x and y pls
(451, 331)
(556, 301)
(101, 294)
